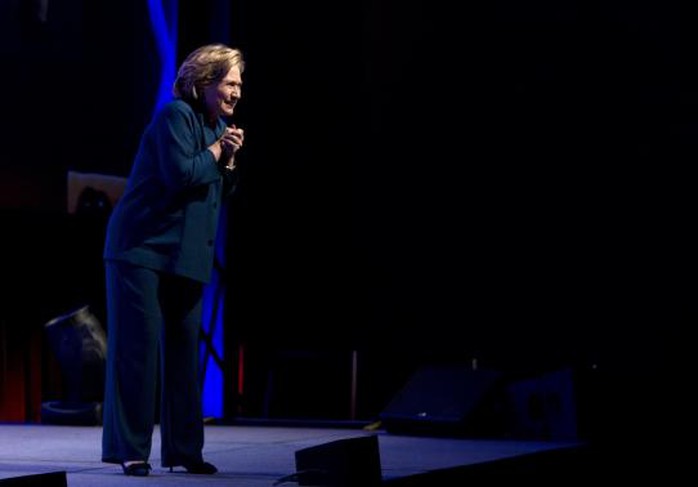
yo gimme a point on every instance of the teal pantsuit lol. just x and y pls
(159, 252)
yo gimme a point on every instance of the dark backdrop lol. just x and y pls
(421, 182)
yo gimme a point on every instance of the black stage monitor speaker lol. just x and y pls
(52, 479)
(544, 407)
(352, 462)
(447, 400)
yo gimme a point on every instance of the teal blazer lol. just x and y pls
(167, 217)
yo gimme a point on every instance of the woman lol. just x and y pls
(158, 256)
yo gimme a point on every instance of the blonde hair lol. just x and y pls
(204, 66)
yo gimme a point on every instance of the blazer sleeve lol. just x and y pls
(184, 160)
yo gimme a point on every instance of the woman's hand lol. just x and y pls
(232, 140)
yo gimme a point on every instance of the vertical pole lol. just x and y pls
(354, 368)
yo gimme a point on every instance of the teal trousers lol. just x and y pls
(153, 326)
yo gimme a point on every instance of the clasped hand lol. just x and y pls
(232, 139)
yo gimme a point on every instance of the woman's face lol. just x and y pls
(220, 98)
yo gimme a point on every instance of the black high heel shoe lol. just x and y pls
(138, 469)
(199, 468)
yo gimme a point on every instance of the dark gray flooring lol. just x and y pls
(247, 456)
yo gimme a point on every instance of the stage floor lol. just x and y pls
(247, 456)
